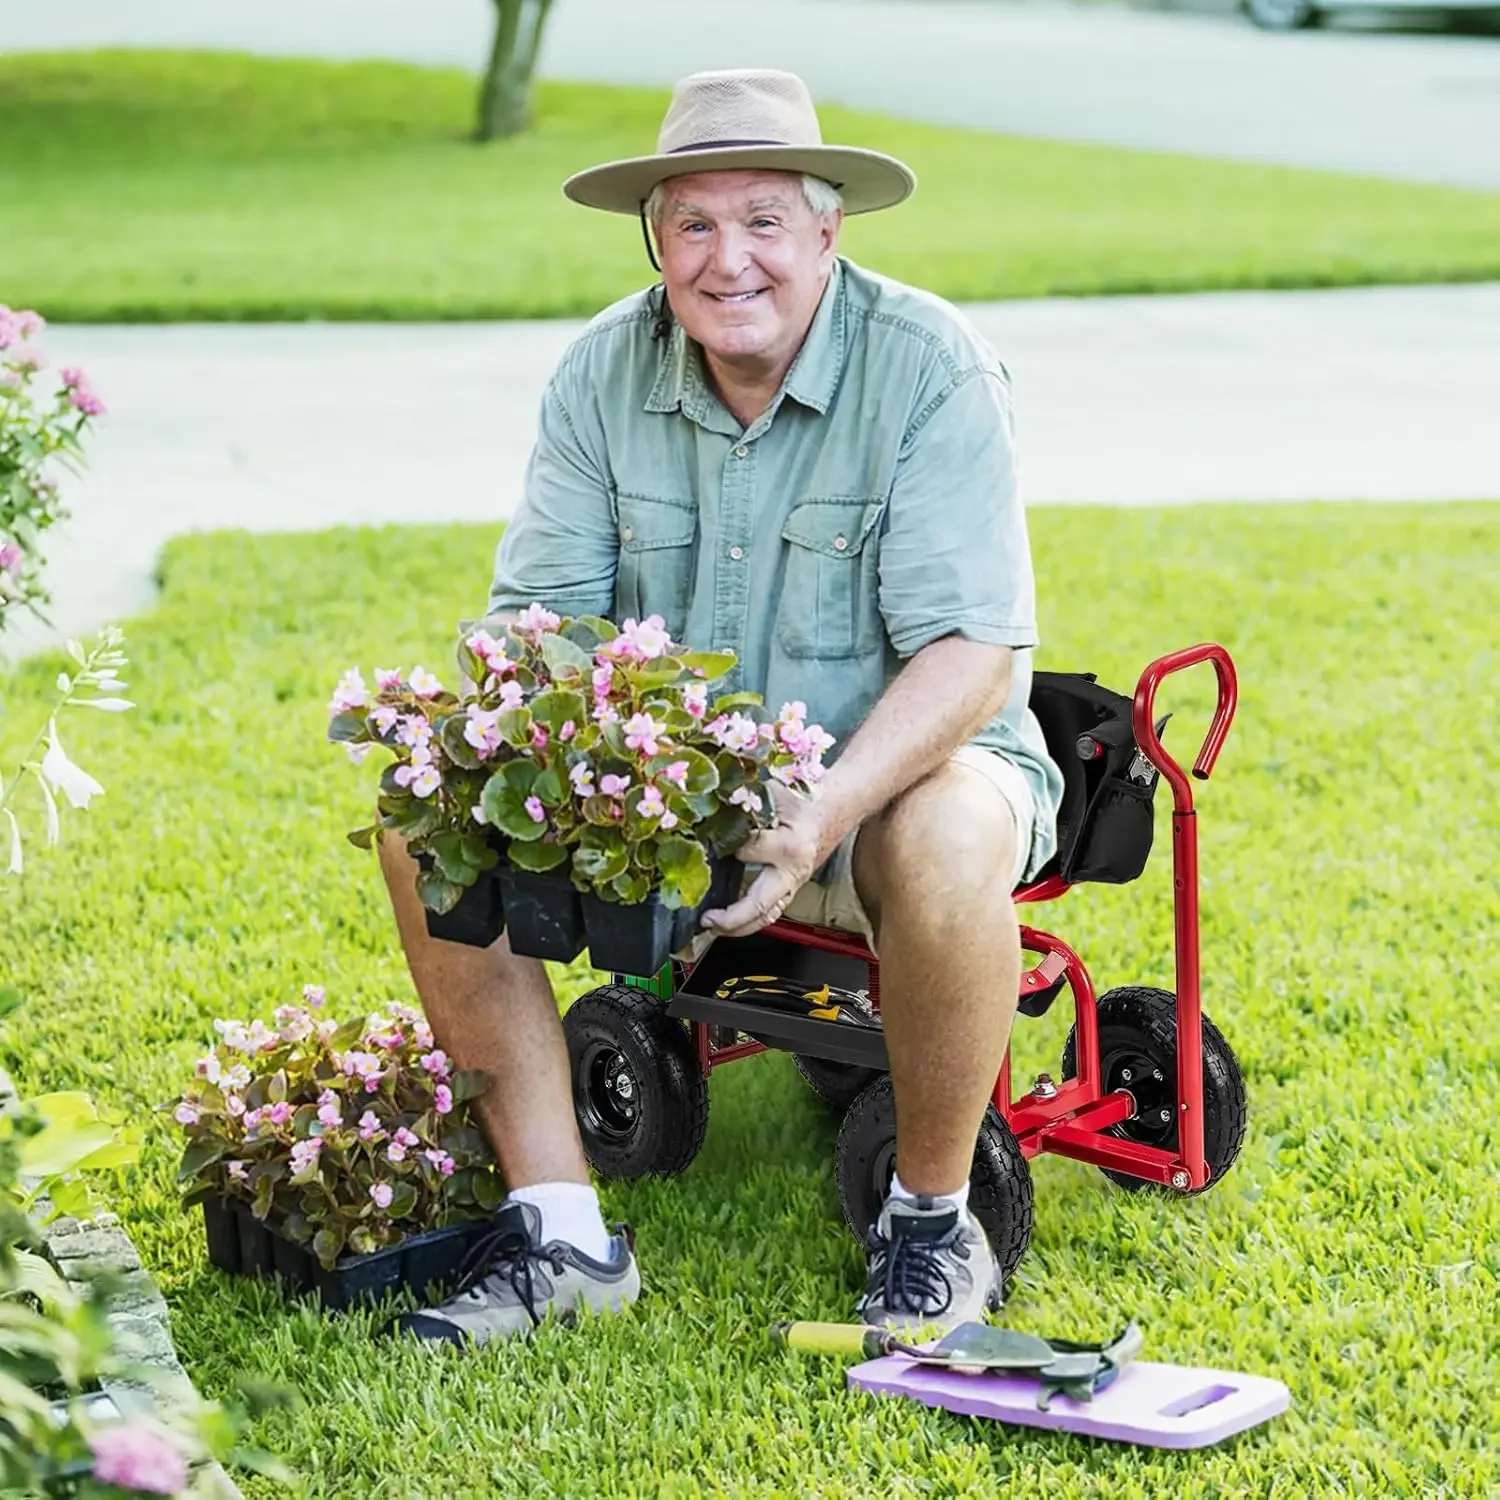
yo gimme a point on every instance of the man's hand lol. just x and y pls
(789, 853)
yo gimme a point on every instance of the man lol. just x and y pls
(786, 456)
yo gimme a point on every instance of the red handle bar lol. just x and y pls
(1143, 716)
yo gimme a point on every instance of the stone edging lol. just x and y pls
(138, 1316)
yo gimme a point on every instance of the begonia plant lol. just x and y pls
(598, 752)
(345, 1136)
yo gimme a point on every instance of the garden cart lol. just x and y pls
(1148, 1090)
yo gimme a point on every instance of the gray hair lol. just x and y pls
(821, 197)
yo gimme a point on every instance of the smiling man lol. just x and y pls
(789, 457)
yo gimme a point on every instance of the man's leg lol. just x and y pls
(492, 1010)
(934, 876)
(934, 873)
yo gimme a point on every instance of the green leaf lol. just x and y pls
(505, 808)
(489, 1191)
(601, 855)
(726, 829)
(702, 773)
(327, 1245)
(450, 733)
(538, 855)
(514, 725)
(60, 1148)
(469, 1083)
(199, 1155)
(10, 999)
(549, 786)
(557, 706)
(563, 658)
(631, 888)
(403, 1200)
(713, 664)
(348, 728)
(417, 820)
(364, 838)
(436, 892)
(589, 632)
(685, 875)
(736, 700)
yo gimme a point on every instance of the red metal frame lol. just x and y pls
(1074, 1118)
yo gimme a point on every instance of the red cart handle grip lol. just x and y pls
(1143, 716)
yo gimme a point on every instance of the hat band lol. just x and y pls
(719, 146)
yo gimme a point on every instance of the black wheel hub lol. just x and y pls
(1152, 1082)
(608, 1092)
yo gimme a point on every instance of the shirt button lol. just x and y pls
(841, 543)
(741, 451)
(627, 534)
(737, 553)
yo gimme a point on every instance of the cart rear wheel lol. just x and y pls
(839, 1083)
(999, 1183)
(639, 1094)
(1138, 1051)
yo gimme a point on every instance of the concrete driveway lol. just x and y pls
(1383, 394)
(1420, 107)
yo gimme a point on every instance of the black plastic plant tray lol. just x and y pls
(477, 919)
(638, 940)
(428, 1263)
(543, 914)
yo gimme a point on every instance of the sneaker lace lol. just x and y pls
(504, 1257)
(912, 1272)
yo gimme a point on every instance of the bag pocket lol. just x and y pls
(1117, 833)
(658, 556)
(830, 605)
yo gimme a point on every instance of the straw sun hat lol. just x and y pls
(744, 120)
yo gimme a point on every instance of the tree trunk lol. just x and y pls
(505, 91)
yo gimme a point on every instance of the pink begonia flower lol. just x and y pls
(362, 1065)
(294, 1023)
(330, 1116)
(414, 731)
(582, 778)
(442, 1100)
(280, 1114)
(350, 693)
(604, 714)
(491, 653)
(649, 639)
(87, 400)
(616, 810)
(426, 781)
(304, 1154)
(138, 1458)
(395, 1152)
(384, 716)
(404, 775)
(651, 805)
(744, 797)
(568, 730)
(10, 558)
(234, 1105)
(421, 1034)
(536, 619)
(604, 676)
(313, 995)
(482, 729)
(239, 1171)
(717, 726)
(477, 813)
(677, 774)
(404, 1137)
(388, 679)
(435, 1063)
(441, 1160)
(512, 695)
(185, 1114)
(640, 733)
(381, 1194)
(695, 699)
(796, 711)
(370, 1127)
(29, 323)
(252, 1120)
(539, 736)
(668, 820)
(423, 683)
(614, 786)
(768, 733)
(238, 1077)
(534, 810)
(325, 1029)
(209, 1067)
(736, 732)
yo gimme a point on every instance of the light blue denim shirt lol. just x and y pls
(870, 510)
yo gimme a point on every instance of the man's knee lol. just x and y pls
(949, 841)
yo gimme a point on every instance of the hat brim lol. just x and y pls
(866, 180)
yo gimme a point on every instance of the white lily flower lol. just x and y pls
(54, 826)
(72, 781)
(109, 705)
(15, 844)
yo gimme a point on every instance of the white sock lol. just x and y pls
(570, 1213)
(900, 1193)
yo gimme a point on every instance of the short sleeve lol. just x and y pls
(561, 548)
(955, 557)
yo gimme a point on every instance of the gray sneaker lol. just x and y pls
(513, 1281)
(928, 1271)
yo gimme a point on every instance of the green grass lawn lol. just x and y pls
(1350, 957)
(145, 186)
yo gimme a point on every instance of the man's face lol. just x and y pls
(744, 260)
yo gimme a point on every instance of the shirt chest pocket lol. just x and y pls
(658, 548)
(830, 605)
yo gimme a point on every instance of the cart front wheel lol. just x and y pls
(639, 1094)
(999, 1182)
(1138, 1052)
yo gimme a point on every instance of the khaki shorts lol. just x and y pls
(837, 904)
